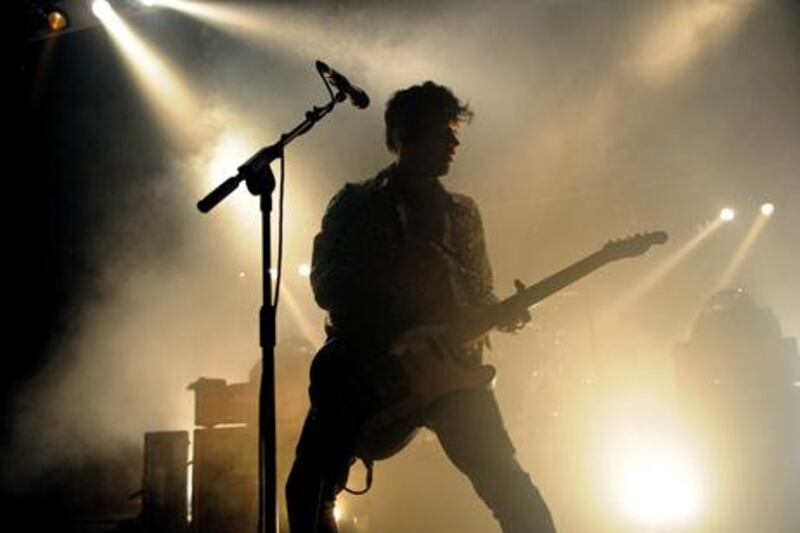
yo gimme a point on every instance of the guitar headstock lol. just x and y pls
(633, 246)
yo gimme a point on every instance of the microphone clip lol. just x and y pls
(345, 90)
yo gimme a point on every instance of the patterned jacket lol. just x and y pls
(366, 228)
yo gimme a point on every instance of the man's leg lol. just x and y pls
(471, 431)
(319, 473)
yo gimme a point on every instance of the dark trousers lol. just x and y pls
(470, 429)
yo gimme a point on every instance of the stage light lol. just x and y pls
(57, 20)
(658, 487)
(742, 252)
(304, 270)
(651, 469)
(102, 9)
(727, 214)
(767, 209)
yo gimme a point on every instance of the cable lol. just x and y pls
(279, 262)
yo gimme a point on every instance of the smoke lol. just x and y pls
(594, 120)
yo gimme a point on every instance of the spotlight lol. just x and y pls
(659, 487)
(767, 209)
(101, 9)
(304, 270)
(57, 20)
(727, 214)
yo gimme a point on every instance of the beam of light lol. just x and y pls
(741, 254)
(308, 329)
(307, 36)
(42, 70)
(228, 151)
(668, 45)
(679, 36)
(232, 17)
(732, 269)
(167, 94)
(666, 266)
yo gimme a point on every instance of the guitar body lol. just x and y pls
(382, 397)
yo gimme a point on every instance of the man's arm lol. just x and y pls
(347, 275)
(336, 264)
(481, 266)
(477, 269)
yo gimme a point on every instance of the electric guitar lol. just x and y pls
(383, 397)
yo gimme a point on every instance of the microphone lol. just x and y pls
(356, 94)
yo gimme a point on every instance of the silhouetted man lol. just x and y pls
(394, 252)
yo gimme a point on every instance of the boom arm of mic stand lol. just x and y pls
(258, 164)
(255, 172)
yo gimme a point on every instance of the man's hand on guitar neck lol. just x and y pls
(517, 320)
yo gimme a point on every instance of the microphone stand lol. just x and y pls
(260, 181)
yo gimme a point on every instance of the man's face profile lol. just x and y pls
(432, 149)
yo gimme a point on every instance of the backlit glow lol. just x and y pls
(727, 214)
(658, 486)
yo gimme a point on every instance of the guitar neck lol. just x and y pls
(496, 314)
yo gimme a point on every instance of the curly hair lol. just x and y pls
(414, 107)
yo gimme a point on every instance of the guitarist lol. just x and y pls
(397, 251)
